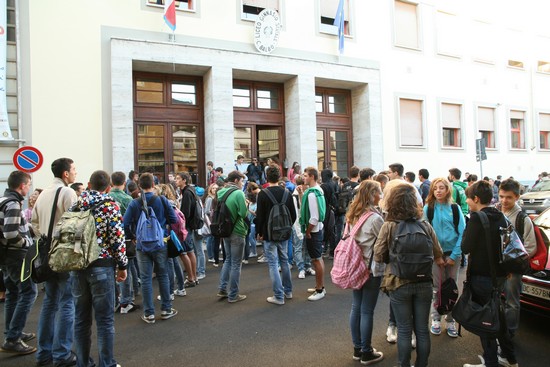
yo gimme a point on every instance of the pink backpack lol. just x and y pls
(349, 270)
(179, 226)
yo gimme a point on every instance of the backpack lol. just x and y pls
(197, 221)
(149, 232)
(279, 221)
(411, 253)
(4, 248)
(456, 213)
(179, 227)
(74, 241)
(344, 199)
(448, 295)
(349, 270)
(222, 225)
(539, 260)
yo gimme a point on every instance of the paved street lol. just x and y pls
(210, 332)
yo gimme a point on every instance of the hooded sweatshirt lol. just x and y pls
(459, 187)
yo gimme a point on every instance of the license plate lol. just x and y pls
(531, 212)
(536, 291)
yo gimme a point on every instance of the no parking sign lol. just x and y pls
(28, 159)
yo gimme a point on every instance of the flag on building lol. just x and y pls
(170, 14)
(339, 22)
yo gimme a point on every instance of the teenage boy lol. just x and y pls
(312, 214)
(508, 193)
(459, 188)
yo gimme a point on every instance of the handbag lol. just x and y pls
(515, 258)
(349, 270)
(486, 319)
(36, 261)
(448, 295)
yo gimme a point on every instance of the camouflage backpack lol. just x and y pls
(74, 242)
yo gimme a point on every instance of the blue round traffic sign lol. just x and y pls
(28, 159)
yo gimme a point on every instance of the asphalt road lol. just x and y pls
(211, 332)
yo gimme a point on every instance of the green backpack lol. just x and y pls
(74, 242)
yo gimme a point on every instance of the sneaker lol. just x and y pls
(451, 329)
(130, 307)
(240, 297)
(275, 301)
(357, 354)
(310, 271)
(165, 315)
(222, 294)
(148, 319)
(160, 298)
(262, 259)
(211, 260)
(190, 283)
(253, 255)
(371, 357)
(288, 295)
(302, 274)
(215, 265)
(312, 290)
(200, 276)
(475, 365)
(180, 292)
(436, 327)
(71, 361)
(27, 336)
(317, 295)
(413, 340)
(17, 347)
(245, 262)
(505, 363)
(391, 334)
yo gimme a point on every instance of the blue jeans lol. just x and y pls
(210, 247)
(134, 269)
(94, 288)
(252, 240)
(195, 242)
(302, 259)
(339, 225)
(174, 269)
(482, 289)
(411, 304)
(231, 270)
(512, 290)
(126, 288)
(20, 297)
(56, 322)
(147, 260)
(276, 252)
(361, 318)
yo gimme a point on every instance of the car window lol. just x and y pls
(543, 220)
(542, 186)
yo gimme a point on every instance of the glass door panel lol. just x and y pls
(184, 149)
(320, 150)
(268, 143)
(339, 149)
(243, 142)
(150, 149)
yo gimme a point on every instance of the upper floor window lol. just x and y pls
(517, 129)
(543, 66)
(164, 91)
(257, 96)
(251, 8)
(516, 48)
(483, 41)
(332, 102)
(188, 5)
(486, 125)
(406, 25)
(451, 121)
(183, 93)
(449, 35)
(10, 20)
(411, 131)
(544, 130)
(149, 91)
(328, 13)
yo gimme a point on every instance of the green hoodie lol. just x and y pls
(237, 207)
(459, 188)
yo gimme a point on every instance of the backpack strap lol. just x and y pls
(487, 227)
(52, 216)
(272, 198)
(430, 213)
(227, 193)
(456, 218)
(520, 224)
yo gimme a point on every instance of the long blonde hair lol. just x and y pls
(363, 201)
(431, 199)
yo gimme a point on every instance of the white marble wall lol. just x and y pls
(218, 67)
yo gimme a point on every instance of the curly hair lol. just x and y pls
(167, 191)
(363, 201)
(402, 204)
(430, 200)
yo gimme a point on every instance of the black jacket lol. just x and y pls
(264, 208)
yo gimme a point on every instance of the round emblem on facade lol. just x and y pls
(266, 31)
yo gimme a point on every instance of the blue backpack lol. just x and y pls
(149, 232)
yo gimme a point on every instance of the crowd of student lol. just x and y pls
(319, 205)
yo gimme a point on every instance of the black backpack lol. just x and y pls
(344, 199)
(411, 253)
(456, 213)
(222, 225)
(279, 222)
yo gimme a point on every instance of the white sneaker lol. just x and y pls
(436, 327)
(413, 340)
(180, 292)
(476, 365)
(451, 329)
(245, 262)
(310, 271)
(391, 334)
(275, 301)
(505, 363)
(301, 274)
(262, 259)
(317, 295)
(171, 297)
(201, 276)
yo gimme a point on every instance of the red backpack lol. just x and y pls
(540, 260)
(179, 226)
(349, 270)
